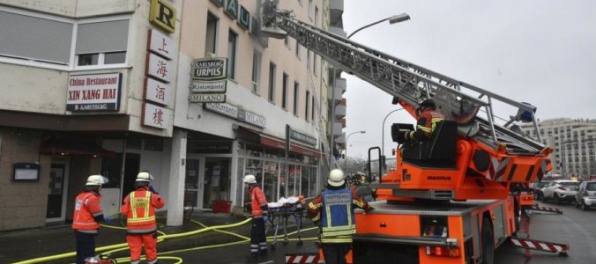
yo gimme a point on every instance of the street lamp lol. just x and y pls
(348, 138)
(392, 20)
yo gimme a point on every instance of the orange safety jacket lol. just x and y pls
(426, 123)
(139, 207)
(258, 203)
(87, 207)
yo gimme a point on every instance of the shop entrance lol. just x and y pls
(216, 181)
(56, 190)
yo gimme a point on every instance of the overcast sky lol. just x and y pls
(541, 52)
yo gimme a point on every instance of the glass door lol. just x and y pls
(216, 181)
(191, 184)
(56, 192)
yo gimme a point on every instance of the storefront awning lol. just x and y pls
(70, 146)
(278, 143)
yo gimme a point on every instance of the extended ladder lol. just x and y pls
(410, 82)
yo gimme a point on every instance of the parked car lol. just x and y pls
(560, 191)
(586, 195)
(536, 188)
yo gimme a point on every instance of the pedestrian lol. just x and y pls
(87, 216)
(139, 208)
(334, 210)
(260, 216)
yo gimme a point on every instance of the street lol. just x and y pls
(574, 227)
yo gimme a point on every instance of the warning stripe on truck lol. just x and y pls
(303, 258)
(540, 245)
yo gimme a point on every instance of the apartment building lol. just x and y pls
(188, 90)
(574, 144)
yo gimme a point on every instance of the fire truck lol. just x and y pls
(449, 200)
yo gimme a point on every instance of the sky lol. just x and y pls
(541, 52)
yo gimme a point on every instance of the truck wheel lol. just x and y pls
(488, 242)
(583, 206)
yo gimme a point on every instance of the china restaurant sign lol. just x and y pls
(94, 92)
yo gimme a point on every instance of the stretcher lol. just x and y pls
(278, 217)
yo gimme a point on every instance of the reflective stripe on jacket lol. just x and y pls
(337, 213)
(426, 124)
(139, 207)
(258, 202)
(87, 207)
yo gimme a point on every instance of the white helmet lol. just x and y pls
(336, 178)
(96, 180)
(144, 177)
(249, 179)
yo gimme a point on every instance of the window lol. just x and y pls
(312, 110)
(211, 34)
(314, 64)
(284, 92)
(296, 96)
(308, 59)
(310, 9)
(256, 71)
(306, 107)
(45, 40)
(271, 95)
(94, 49)
(297, 49)
(232, 43)
(317, 17)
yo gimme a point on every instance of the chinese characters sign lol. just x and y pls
(94, 92)
(158, 92)
(161, 44)
(160, 68)
(156, 116)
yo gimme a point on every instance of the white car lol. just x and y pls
(560, 190)
(586, 195)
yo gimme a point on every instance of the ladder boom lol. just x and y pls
(457, 100)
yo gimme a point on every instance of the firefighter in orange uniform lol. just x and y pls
(334, 211)
(428, 117)
(139, 208)
(260, 216)
(86, 217)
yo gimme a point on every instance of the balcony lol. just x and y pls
(340, 111)
(338, 31)
(336, 128)
(338, 94)
(336, 8)
(341, 83)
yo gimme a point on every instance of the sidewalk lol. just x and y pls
(22, 245)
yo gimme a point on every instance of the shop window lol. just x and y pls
(134, 143)
(154, 144)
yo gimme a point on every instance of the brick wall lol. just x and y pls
(22, 204)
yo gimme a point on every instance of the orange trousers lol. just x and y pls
(136, 243)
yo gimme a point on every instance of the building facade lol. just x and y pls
(574, 144)
(187, 90)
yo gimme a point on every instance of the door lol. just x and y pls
(191, 184)
(56, 192)
(132, 165)
(216, 181)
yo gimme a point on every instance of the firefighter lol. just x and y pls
(86, 217)
(335, 207)
(260, 216)
(139, 208)
(428, 118)
(362, 188)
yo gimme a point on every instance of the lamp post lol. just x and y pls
(348, 138)
(392, 20)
